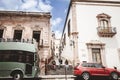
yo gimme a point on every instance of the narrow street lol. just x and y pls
(59, 70)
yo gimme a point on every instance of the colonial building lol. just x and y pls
(53, 44)
(56, 45)
(20, 25)
(91, 32)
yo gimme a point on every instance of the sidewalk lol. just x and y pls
(56, 76)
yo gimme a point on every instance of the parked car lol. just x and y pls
(87, 70)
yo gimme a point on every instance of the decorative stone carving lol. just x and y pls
(95, 44)
(18, 27)
(36, 28)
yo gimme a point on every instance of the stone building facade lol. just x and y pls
(28, 25)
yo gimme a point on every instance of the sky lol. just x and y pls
(57, 8)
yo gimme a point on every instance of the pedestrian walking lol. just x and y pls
(60, 63)
(66, 64)
(53, 65)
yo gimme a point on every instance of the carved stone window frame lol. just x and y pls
(98, 45)
(19, 27)
(38, 28)
(104, 18)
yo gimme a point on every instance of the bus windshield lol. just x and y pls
(16, 56)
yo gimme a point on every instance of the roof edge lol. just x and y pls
(98, 1)
(24, 13)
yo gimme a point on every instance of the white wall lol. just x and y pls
(87, 24)
(67, 52)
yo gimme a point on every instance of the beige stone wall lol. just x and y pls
(10, 21)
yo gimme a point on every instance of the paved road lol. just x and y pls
(59, 70)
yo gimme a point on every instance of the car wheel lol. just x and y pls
(17, 76)
(86, 76)
(114, 76)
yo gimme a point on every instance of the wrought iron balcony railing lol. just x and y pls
(106, 31)
(17, 40)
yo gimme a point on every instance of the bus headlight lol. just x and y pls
(35, 69)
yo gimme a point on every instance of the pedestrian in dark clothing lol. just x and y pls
(66, 64)
(53, 65)
(60, 63)
(53, 62)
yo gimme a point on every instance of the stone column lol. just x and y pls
(74, 35)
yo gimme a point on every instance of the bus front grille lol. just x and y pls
(28, 69)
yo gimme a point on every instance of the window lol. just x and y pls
(17, 34)
(64, 39)
(36, 35)
(104, 28)
(88, 65)
(16, 56)
(69, 28)
(96, 56)
(1, 33)
(103, 20)
(104, 23)
(96, 51)
(98, 65)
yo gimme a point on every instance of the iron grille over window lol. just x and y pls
(1, 33)
(17, 34)
(36, 35)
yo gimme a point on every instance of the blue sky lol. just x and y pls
(58, 9)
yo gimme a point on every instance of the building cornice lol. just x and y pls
(23, 13)
(98, 1)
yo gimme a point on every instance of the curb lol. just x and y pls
(56, 76)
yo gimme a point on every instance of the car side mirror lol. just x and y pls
(115, 67)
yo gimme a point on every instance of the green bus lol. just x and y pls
(18, 59)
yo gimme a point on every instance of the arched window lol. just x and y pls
(104, 28)
(103, 20)
(104, 23)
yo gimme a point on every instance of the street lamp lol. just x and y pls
(72, 43)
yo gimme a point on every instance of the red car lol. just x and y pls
(86, 70)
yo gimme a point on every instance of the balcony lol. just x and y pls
(32, 41)
(106, 31)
